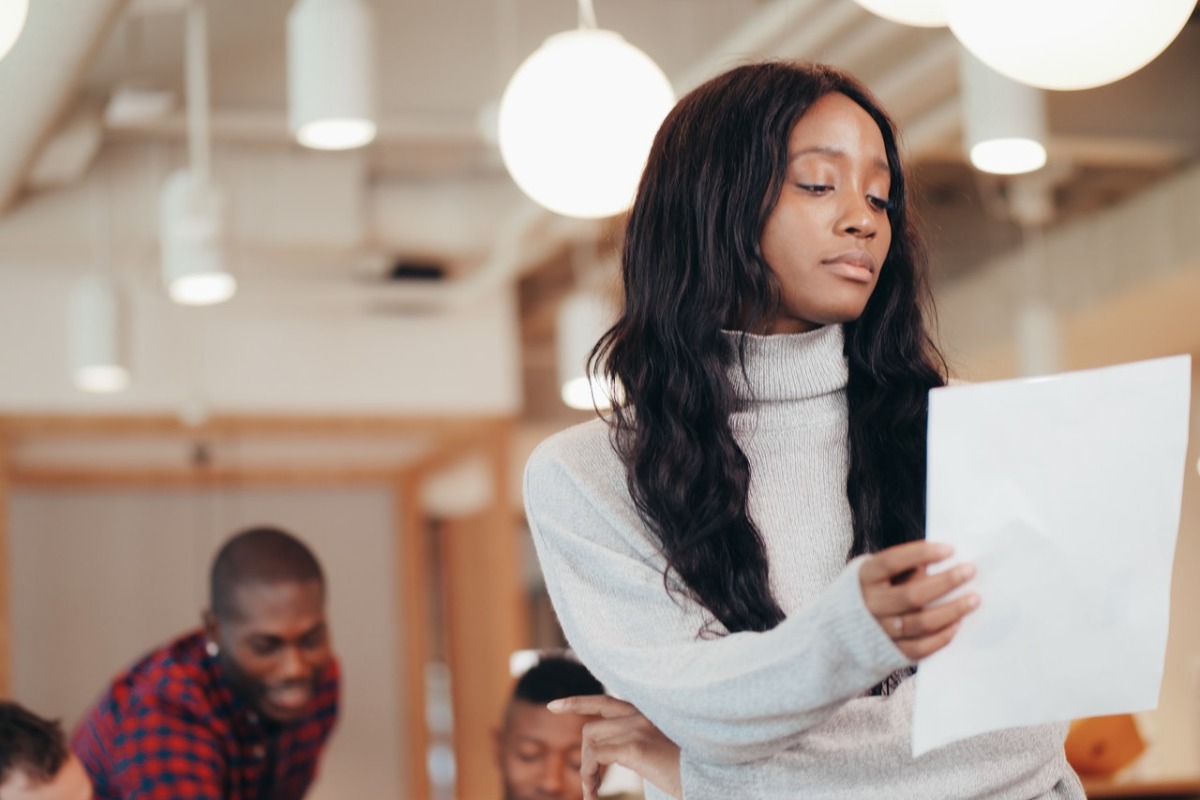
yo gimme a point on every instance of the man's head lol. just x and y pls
(538, 751)
(35, 763)
(267, 620)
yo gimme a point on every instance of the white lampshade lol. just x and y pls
(193, 254)
(96, 333)
(331, 74)
(1067, 44)
(13, 14)
(577, 120)
(1004, 124)
(583, 318)
(922, 13)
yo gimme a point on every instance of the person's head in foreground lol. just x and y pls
(35, 763)
(537, 751)
(266, 621)
(773, 202)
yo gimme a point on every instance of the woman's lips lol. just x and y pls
(858, 267)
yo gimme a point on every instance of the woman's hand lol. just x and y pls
(624, 736)
(898, 590)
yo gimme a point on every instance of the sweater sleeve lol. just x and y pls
(727, 699)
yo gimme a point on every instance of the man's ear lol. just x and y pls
(212, 628)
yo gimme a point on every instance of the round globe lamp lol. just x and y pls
(577, 120)
(1067, 44)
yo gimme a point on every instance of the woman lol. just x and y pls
(738, 551)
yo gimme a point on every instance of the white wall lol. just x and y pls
(245, 358)
(101, 576)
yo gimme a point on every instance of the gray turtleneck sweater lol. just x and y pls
(773, 715)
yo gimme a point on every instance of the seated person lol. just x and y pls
(35, 763)
(240, 710)
(538, 752)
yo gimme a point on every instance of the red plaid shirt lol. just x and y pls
(172, 729)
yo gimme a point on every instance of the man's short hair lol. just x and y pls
(554, 677)
(29, 744)
(258, 555)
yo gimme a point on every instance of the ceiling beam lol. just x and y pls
(40, 77)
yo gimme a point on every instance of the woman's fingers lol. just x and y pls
(895, 561)
(632, 741)
(916, 649)
(592, 705)
(885, 599)
(904, 596)
(919, 624)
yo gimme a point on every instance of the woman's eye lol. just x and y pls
(816, 188)
(880, 203)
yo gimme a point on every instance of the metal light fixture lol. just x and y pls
(331, 74)
(97, 335)
(1004, 123)
(1067, 44)
(13, 14)
(921, 13)
(578, 117)
(191, 223)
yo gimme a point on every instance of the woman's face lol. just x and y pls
(829, 233)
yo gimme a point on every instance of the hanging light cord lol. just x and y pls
(196, 81)
(587, 15)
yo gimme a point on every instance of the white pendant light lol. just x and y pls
(96, 331)
(1004, 123)
(191, 214)
(331, 74)
(193, 253)
(583, 318)
(577, 120)
(1067, 44)
(922, 13)
(13, 14)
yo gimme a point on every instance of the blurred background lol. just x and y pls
(385, 330)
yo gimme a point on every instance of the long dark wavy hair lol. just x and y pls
(692, 266)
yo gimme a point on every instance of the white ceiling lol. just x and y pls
(432, 187)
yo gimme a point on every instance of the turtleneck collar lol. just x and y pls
(783, 369)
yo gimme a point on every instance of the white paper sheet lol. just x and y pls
(1065, 493)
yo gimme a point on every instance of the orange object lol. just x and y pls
(1103, 745)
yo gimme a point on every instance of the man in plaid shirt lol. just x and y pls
(240, 710)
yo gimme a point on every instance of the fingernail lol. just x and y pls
(972, 601)
(556, 705)
(965, 571)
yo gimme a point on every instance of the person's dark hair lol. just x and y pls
(553, 678)
(258, 555)
(29, 744)
(692, 265)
